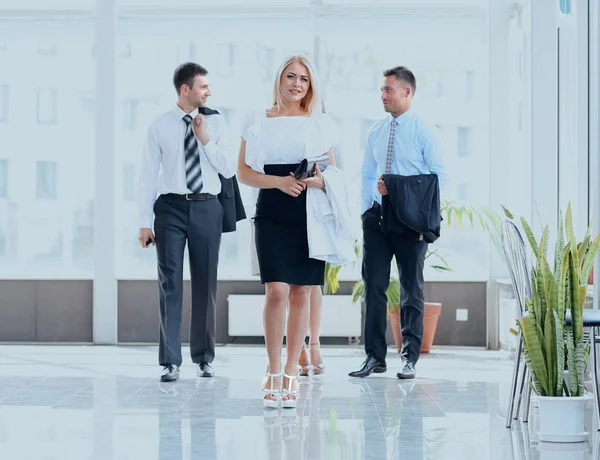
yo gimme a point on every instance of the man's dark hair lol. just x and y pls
(185, 74)
(404, 74)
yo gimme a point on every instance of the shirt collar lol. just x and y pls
(400, 119)
(179, 113)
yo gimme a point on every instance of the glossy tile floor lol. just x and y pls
(76, 402)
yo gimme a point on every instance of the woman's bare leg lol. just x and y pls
(274, 324)
(296, 330)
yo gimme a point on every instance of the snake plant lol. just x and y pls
(548, 343)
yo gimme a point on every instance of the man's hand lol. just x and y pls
(200, 129)
(381, 187)
(145, 235)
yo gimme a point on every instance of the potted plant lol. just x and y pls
(549, 346)
(452, 213)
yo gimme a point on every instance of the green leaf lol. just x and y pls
(576, 306)
(550, 340)
(534, 349)
(530, 237)
(590, 257)
(560, 238)
(507, 213)
(569, 225)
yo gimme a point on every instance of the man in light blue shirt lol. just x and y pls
(400, 144)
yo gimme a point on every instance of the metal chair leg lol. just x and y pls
(515, 379)
(524, 379)
(527, 399)
(594, 364)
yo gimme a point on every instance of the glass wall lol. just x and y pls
(47, 138)
(46, 148)
(242, 56)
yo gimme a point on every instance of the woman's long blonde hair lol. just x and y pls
(312, 100)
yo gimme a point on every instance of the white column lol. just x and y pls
(594, 131)
(105, 285)
(544, 114)
(582, 97)
(499, 22)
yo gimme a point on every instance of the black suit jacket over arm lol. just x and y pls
(231, 200)
(412, 206)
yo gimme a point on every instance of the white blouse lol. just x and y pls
(286, 139)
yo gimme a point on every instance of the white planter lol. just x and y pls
(340, 318)
(562, 419)
(553, 451)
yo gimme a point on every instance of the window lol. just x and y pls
(226, 53)
(125, 50)
(265, 56)
(45, 183)
(3, 103)
(130, 107)
(129, 182)
(87, 106)
(47, 102)
(46, 49)
(469, 85)
(565, 6)
(43, 152)
(463, 191)
(463, 142)
(137, 112)
(3, 178)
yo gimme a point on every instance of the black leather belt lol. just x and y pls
(192, 197)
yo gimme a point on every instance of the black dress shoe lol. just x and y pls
(205, 370)
(407, 372)
(170, 373)
(369, 366)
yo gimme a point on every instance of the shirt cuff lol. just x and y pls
(146, 221)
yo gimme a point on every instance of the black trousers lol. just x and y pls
(378, 249)
(198, 223)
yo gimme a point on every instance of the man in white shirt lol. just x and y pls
(185, 151)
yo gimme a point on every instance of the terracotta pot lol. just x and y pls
(395, 325)
(432, 314)
(430, 320)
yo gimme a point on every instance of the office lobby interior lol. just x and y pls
(512, 88)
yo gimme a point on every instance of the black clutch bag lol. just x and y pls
(307, 168)
(302, 170)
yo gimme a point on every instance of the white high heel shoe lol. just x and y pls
(272, 391)
(292, 401)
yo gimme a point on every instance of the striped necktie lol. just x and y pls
(390, 152)
(192, 158)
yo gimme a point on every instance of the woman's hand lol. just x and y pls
(317, 180)
(290, 185)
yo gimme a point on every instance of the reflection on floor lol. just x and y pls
(75, 402)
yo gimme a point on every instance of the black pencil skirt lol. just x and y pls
(281, 237)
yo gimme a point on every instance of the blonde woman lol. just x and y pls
(274, 143)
